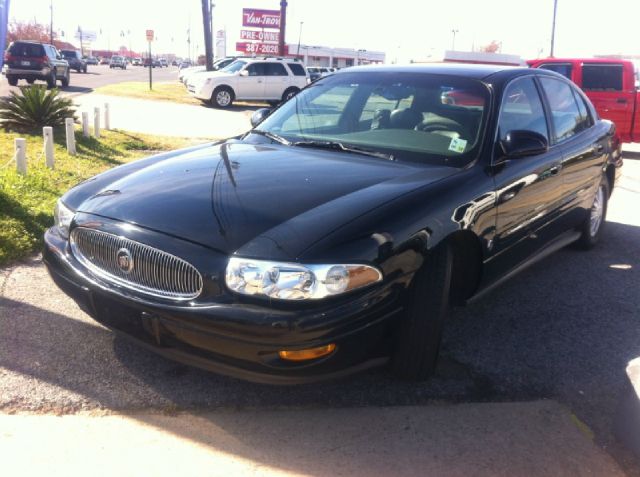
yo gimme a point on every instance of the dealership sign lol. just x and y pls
(260, 18)
(258, 48)
(260, 35)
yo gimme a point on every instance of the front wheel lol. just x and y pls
(222, 97)
(592, 227)
(417, 339)
(66, 79)
(51, 79)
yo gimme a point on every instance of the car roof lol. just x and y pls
(475, 71)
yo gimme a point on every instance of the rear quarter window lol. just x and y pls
(297, 69)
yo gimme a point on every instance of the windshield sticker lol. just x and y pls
(458, 145)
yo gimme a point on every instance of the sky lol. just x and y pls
(404, 29)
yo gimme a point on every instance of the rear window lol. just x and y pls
(563, 68)
(296, 69)
(26, 49)
(68, 54)
(602, 77)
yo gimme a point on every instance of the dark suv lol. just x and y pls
(75, 60)
(32, 61)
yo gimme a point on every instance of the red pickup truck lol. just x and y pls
(611, 85)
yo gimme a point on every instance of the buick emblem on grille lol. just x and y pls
(125, 260)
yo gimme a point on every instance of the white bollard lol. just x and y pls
(85, 124)
(107, 124)
(70, 130)
(21, 155)
(96, 122)
(47, 132)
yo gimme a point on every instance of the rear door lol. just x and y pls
(584, 149)
(276, 80)
(611, 90)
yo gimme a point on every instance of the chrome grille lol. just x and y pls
(152, 271)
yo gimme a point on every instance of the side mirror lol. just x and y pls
(244, 73)
(259, 116)
(523, 143)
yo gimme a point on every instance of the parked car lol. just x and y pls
(317, 72)
(163, 62)
(184, 73)
(137, 62)
(105, 60)
(91, 60)
(611, 84)
(336, 233)
(32, 60)
(118, 62)
(75, 60)
(262, 79)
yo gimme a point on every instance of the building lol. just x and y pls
(334, 57)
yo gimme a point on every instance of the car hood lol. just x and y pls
(232, 195)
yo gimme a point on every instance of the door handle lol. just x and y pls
(621, 101)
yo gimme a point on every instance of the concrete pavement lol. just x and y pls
(530, 438)
(166, 118)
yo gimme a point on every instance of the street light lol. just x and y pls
(553, 27)
(453, 42)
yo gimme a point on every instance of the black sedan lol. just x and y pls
(336, 234)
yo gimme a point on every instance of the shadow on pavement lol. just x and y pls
(564, 329)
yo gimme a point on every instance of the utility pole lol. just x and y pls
(206, 20)
(213, 43)
(453, 42)
(553, 27)
(51, 23)
(283, 26)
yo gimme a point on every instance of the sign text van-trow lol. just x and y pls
(260, 18)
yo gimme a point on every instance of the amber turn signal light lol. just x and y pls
(306, 354)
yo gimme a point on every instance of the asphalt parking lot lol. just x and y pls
(101, 75)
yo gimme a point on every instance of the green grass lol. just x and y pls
(168, 91)
(26, 202)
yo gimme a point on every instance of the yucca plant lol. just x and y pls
(33, 108)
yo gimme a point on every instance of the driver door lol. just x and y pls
(251, 85)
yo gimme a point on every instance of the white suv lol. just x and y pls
(264, 79)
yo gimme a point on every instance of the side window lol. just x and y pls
(275, 69)
(565, 115)
(563, 68)
(596, 77)
(586, 121)
(256, 69)
(522, 109)
(297, 69)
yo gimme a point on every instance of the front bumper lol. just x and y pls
(236, 339)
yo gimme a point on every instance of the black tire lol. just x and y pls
(84, 70)
(417, 339)
(222, 97)
(31, 81)
(66, 79)
(592, 227)
(13, 81)
(51, 80)
(289, 93)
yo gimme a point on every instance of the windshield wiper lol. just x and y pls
(272, 136)
(338, 146)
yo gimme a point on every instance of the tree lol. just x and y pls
(27, 31)
(492, 47)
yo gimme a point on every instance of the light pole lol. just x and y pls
(553, 27)
(51, 22)
(453, 41)
(299, 36)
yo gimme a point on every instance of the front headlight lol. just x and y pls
(295, 281)
(62, 216)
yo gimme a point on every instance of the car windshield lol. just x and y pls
(421, 117)
(68, 54)
(234, 67)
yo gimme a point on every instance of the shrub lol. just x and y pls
(34, 108)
